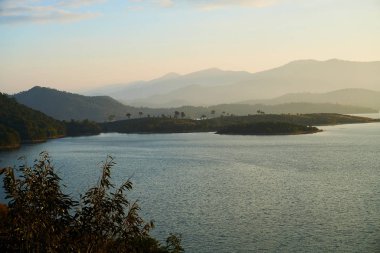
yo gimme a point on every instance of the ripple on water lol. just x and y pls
(307, 193)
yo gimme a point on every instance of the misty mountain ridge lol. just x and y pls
(215, 86)
(170, 82)
(354, 97)
(66, 106)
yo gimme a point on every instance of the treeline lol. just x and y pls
(176, 125)
(21, 124)
(81, 128)
(267, 128)
(40, 217)
(312, 119)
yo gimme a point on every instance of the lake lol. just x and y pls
(301, 193)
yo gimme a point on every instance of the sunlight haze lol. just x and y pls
(83, 44)
(240, 126)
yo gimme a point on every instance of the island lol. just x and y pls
(278, 123)
(268, 128)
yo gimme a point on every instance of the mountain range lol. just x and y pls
(63, 105)
(355, 97)
(169, 83)
(215, 86)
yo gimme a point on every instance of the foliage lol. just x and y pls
(173, 244)
(9, 138)
(80, 128)
(41, 218)
(39, 213)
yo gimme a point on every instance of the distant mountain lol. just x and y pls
(215, 86)
(66, 106)
(355, 97)
(169, 83)
(19, 123)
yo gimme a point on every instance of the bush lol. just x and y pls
(41, 218)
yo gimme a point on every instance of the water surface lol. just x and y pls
(300, 193)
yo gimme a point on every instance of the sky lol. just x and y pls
(77, 45)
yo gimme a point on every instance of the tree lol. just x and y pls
(39, 213)
(141, 113)
(128, 115)
(212, 112)
(183, 115)
(176, 114)
(260, 112)
(41, 218)
(173, 244)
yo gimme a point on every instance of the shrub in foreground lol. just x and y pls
(41, 218)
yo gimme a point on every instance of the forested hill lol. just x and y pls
(19, 123)
(66, 106)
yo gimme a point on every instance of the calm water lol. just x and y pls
(306, 193)
(368, 115)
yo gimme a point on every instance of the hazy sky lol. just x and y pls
(77, 44)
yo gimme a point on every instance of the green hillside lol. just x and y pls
(66, 106)
(19, 123)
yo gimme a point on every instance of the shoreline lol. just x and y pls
(275, 134)
(17, 146)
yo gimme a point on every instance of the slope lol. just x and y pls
(19, 123)
(66, 106)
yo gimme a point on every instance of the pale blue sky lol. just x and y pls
(78, 44)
